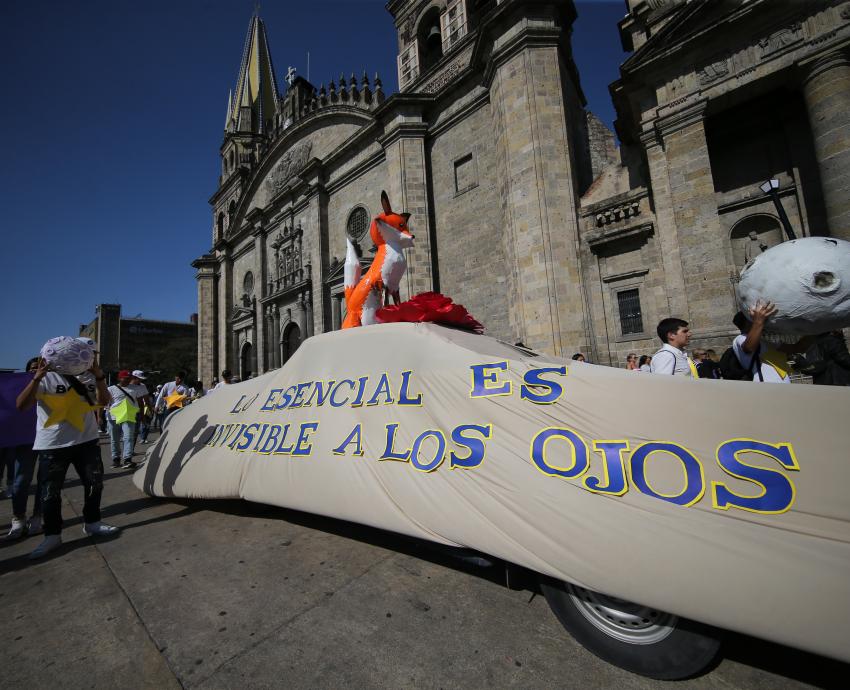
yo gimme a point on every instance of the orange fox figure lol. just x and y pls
(364, 296)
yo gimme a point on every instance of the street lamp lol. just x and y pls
(771, 187)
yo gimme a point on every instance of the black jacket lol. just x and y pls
(834, 352)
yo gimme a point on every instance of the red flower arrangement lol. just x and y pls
(432, 307)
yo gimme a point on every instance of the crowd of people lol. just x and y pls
(749, 357)
(126, 411)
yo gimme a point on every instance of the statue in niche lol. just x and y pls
(754, 246)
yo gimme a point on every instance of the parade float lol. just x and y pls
(715, 504)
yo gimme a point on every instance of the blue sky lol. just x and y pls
(113, 117)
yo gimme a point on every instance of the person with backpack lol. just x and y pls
(672, 359)
(750, 359)
(122, 433)
(66, 434)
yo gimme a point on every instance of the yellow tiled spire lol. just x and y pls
(256, 96)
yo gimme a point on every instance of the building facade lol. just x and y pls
(524, 208)
(160, 348)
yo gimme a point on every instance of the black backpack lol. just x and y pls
(811, 362)
(731, 368)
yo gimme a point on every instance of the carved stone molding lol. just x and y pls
(781, 39)
(606, 238)
(289, 164)
(617, 213)
(714, 71)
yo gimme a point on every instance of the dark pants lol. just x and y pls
(86, 460)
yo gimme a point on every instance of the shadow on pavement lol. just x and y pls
(773, 658)
(22, 561)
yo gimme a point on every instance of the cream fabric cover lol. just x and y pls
(783, 577)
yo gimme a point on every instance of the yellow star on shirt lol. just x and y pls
(125, 411)
(67, 407)
(175, 399)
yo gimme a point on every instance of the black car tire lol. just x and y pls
(636, 638)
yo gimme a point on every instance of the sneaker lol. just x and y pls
(127, 463)
(34, 525)
(51, 542)
(99, 529)
(116, 463)
(17, 529)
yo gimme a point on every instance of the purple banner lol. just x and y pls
(16, 428)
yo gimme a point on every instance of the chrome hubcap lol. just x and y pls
(620, 619)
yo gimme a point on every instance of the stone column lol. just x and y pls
(268, 346)
(276, 336)
(404, 146)
(260, 334)
(336, 301)
(826, 88)
(708, 300)
(532, 128)
(226, 357)
(207, 306)
(302, 314)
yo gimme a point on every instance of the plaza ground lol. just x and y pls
(229, 594)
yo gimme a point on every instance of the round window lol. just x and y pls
(248, 283)
(358, 223)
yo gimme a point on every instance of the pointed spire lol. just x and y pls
(256, 83)
(229, 108)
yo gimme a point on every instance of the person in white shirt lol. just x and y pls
(175, 386)
(122, 436)
(226, 378)
(145, 403)
(64, 443)
(765, 364)
(672, 359)
(645, 363)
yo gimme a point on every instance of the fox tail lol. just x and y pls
(352, 269)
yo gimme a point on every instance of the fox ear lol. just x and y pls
(406, 216)
(385, 203)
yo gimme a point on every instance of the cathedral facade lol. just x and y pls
(733, 120)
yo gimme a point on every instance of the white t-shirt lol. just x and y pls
(670, 360)
(769, 374)
(220, 384)
(645, 368)
(169, 388)
(63, 434)
(135, 390)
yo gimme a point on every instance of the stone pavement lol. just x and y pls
(229, 594)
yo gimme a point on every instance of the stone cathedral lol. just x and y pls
(525, 208)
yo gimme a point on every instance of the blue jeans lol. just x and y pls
(26, 460)
(23, 459)
(7, 467)
(121, 439)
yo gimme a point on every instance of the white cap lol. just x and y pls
(139, 374)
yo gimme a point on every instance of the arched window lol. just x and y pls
(290, 342)
(357, 224)
(752, 235)
(220, 224)
(246, 361)
(430, 39)
(248, 283)
(232, 160)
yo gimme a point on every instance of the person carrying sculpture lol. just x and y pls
(70, 440)
(168, 390)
